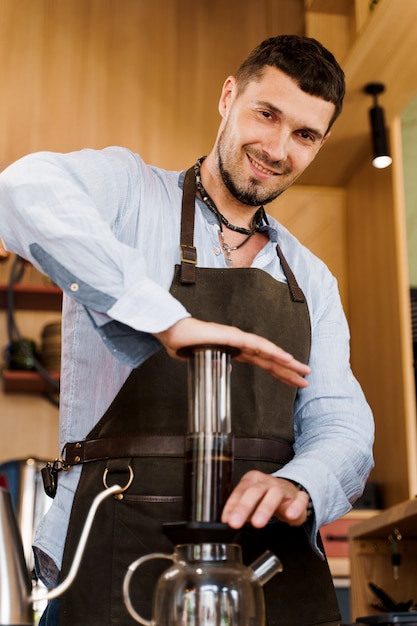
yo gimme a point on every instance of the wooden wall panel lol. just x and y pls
(333, 30)
(144, 74)
(381, 339)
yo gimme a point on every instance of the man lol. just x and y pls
(107, 228)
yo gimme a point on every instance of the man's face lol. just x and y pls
(270, 133)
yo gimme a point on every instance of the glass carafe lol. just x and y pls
(207, 585)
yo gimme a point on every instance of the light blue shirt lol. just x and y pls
(106, 228)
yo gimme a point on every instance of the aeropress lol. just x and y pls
(207, 583)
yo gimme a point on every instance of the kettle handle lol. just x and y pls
(126, 583)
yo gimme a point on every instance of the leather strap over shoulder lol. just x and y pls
(188, 252)
(296, 292)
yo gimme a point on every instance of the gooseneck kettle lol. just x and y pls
(207, 583)
(16, 601)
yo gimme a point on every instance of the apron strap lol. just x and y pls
(188, 252)
(169, 446)
(296, 292)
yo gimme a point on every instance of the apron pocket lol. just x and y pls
(137, 532)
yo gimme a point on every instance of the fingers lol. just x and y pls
(282, 366)
(294, 511)
(255, 350)
(273, 359)
(258, 497)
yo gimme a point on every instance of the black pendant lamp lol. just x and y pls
(381, 153)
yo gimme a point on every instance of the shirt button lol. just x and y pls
(217, 251)
(74, 287)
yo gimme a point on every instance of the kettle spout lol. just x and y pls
(266, 566)
(14, 577)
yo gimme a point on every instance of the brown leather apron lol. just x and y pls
(144, 427)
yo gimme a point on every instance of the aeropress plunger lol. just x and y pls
(208, 456)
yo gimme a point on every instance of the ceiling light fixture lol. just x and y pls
(382, 157)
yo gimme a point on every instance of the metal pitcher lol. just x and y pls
(16, 599)
(14, 581)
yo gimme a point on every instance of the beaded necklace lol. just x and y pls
(258, 218)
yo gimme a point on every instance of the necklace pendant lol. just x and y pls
(229, 261)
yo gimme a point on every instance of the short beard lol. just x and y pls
(251, 195)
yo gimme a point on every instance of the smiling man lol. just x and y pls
(150, 261)
(269, 134)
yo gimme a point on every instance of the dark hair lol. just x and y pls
(304, 59)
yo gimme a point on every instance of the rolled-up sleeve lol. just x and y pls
(334, 426)
(77, 218)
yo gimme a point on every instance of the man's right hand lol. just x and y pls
(253, 348)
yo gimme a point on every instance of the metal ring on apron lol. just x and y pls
(127, 485)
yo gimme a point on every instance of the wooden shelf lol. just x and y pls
(20, 381)
(33, 298)
(29, 298)
(404, 514)
(370, 556)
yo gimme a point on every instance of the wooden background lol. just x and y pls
(145, 74)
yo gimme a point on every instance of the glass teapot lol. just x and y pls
(207, 585)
